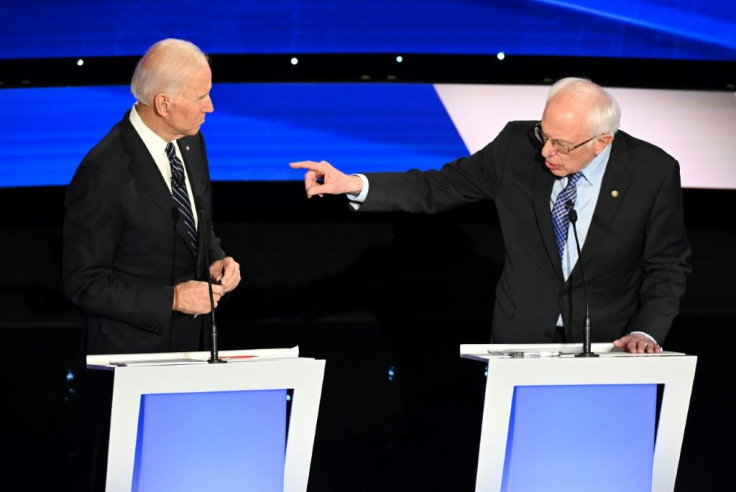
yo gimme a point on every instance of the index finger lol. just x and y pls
(311, 165)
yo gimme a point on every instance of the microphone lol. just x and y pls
(572, 215)
(203, 241)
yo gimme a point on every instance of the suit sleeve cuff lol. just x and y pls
(357, 200)
(650, 337)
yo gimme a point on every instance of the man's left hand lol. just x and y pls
(226, 272)
(637, 343)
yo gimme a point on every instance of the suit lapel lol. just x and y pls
(145, 170)
(143, 167)
(543, 183)
(616, 181)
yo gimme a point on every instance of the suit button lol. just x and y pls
(563, 296)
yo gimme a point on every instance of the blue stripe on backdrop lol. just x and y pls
(46, 131)
(704, 21)
(670, 29)
(358, 127)
(256, 130)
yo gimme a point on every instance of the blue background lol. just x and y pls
(259, 128)
(255, 131)
(669, 29)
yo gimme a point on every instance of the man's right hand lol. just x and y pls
(193, 297)
(323, 179)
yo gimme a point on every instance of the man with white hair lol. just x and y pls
(138, 216)
(626, 195)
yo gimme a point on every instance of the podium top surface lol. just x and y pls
(484, 352)
(112, 361)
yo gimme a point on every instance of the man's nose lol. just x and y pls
(548, 149)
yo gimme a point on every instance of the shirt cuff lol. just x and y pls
(357, 200)
(650, 337)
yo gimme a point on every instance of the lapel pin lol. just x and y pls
(187, 147)
(614, 193)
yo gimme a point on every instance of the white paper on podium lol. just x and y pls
(529, 350)
(157, 362)
(110, 361)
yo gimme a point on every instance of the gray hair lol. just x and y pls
(606, 114)
(163, 68)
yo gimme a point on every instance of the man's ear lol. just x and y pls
(602, 142)
(161, 103)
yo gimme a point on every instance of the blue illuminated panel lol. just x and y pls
(581, 438)
(255, 131)
(234, 440)
(673, 29)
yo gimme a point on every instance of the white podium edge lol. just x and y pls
(268, 369)
(674, 370)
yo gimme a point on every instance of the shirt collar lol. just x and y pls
(593, 172)
(155, 144)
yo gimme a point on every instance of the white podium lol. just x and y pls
(179, 423)
(552, 421)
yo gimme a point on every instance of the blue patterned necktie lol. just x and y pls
(181, 196)
(560, 217)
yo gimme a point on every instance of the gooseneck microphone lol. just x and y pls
(573, 216)
(204, 244)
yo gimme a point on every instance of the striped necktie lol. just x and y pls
(560, 217)
(181, 196)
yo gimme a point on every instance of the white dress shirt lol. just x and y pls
(157, 147)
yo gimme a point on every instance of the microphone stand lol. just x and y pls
(203, 236)
(587, 352)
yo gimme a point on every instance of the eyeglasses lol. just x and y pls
(559, 146)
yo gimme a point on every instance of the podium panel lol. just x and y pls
(552, 421)
(547, 419)
(179, 423)
(218, 440)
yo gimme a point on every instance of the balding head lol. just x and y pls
(603, 113)
(163, 68)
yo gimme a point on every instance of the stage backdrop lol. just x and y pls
(258, 128)
(670, 29)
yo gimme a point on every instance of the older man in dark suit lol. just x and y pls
(138, 226)
(626, 193)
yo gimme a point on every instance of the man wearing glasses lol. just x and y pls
(625, 193)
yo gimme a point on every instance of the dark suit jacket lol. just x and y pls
(124, 247)
(635, 254)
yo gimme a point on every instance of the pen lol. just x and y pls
(539, 353)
